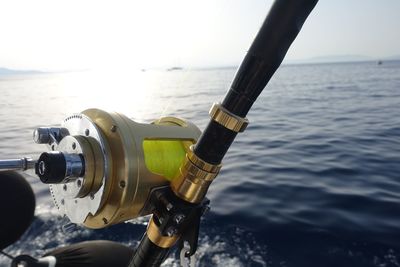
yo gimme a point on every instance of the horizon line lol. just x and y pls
(311, 61)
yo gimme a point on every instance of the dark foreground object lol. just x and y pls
(17, 205)
(99, 253)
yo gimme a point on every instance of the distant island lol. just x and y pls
(5, 71)
(174, 68)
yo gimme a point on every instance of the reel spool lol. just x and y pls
(102, 166)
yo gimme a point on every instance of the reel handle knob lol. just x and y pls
(56, 167)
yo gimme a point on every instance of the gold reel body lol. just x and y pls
(124, 161)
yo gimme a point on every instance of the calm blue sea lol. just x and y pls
(313, 182)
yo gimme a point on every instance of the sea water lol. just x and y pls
(313, 181)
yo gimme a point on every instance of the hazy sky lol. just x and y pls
(80, 34)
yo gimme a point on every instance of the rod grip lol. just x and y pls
(148, 254)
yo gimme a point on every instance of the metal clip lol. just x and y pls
(186, 259)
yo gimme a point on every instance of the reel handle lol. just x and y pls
(21, 164)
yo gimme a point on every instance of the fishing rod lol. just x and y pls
(104, 168)
(203, 161)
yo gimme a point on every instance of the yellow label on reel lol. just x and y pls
(164, 157)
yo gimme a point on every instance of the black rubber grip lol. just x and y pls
(148, 254)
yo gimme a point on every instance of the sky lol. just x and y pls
(88, 34)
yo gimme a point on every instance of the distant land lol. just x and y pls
(5, 71)
(393, 58)
(340, 58)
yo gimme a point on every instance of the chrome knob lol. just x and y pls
(48, 135)
(41, 135)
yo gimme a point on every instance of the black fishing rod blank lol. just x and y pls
(280, 28)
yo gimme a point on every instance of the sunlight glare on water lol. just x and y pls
(132, 94)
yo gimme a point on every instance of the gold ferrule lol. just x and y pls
(227, 119)
(194, 178)
(155, 236)
(201, 163)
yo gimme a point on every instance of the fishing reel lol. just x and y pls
(102, 167)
